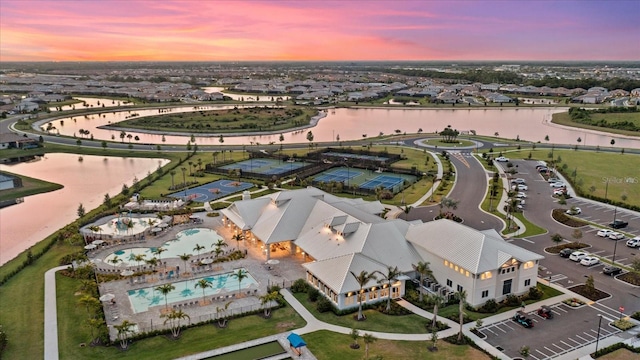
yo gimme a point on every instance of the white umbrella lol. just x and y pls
(107, 297)
(163, 225)
(90, 246)
(273, 262)
(156, 229)
(207, 261)
(127, 273)
(97, 242)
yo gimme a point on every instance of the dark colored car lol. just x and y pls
(618, 224)
(566, 252)
(522, 319)
(611, 270)
(545, 312)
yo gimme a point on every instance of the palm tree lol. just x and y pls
(124, 330)
(220, 244)
(138, 258)
(153, 262)
(173, 174)
(174, 318)
(198, 248)
(203, 284)
(368, 339)
(114, 260)
(165, 290)
(200, 164)
(190, 167)
(90, 303)
(423, 269)
(215, 156)
(217, 251)
(238, 237)
(391, 276)
(241, 274)
(222, 317)
(266, 299)
(185, 257)
(437, 301)
(95, 324)
(363, 278)
(184, 179)
(158, 251)
(449, 203)
(462, 299)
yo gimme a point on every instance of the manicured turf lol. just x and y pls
(30, 186)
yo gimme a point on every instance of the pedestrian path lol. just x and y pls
(51, 314)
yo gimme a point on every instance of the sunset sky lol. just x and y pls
(204, 30)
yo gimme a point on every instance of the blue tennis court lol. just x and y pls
(385, 181)
(265, 166)
(212, 191)
(339, 175)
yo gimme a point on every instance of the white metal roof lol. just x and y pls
(336, 272)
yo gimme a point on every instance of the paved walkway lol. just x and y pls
(51, 314)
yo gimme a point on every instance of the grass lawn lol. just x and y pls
(30, 186)
(459, 143)
(611, 118)
(376, 321)
(229, 120)
(72, 332)
(620, 354)
(326, 345)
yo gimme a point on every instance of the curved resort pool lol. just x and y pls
(126, 226)
(184, 243)
(221, 284)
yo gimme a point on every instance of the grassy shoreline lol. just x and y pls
(30, 186)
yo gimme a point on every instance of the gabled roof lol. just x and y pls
(336, 272)
(473, 250)
(245, 213)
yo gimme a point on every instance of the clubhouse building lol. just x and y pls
(341, 236)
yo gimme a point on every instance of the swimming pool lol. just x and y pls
(142, 299)
(184, 243)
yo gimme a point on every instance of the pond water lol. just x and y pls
(84, 182)
(529, 124)
(91, 103)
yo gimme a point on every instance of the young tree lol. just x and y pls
(462, 299)
(362, 279)
(368, 339)
(355, 334)
(556, 238)
(124, 330)
(174, 317)
(266, 299)
(437, 301)
(222, 314)
(81, 210)
(310, 139)
(390, 276)
(577, 234)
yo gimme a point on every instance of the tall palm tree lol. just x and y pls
(241, 274)
(238, 237)
(220, 243)
(174, 318)
(165, 290)
(217, 251)
(368, 339)
(184, 179)
(391, 276)
(200, 164)
(437, 301)
(190, 167)
(114, 260)
(153, 262)
(185, 257)
(124, 330)
(173, 174)
(423, 269)
(158, 251)
(266, 299)
(138, 258)
(363, 278)
(203, 284)
(198, 248)
(462, 299)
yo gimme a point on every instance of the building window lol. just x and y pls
(486, 275)
(349, 300)
(460, 288)
(527, 282)
(362, 297)
(485, 293)
(373, 294)
(395, 292)
(446, 263)
(449, 283)
(506, 287)
(384, 292)
(528, 265)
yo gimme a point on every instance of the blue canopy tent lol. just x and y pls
(296, 342)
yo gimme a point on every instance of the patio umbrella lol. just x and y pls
(127, 273)
(107, 297)
(90, 246)
(163, 225)
(97, 242)
(207, 261)
(273, 262)
(156, 229)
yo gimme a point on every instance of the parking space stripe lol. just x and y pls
(591, 336)
(577, 342)
(554, 353)
(570, 346)
(561, 348)
(581, 338)
(543, 354)
(533, 356)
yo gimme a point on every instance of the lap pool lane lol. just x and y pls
(549, 339)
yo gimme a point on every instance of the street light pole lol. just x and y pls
(615, 246)
(598, 337)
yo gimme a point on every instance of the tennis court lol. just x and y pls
(265, 166)
(212, 191)
(385, 181)
(339, 175)
(356, 156)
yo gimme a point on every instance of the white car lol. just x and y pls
(589, 260)
(616, 236)
(635, 242)
(561, 191)
(577, 256)
(558, 184)
(604, 232)
(502, 159)
(520, 187)
(521, 195)
(574, 211)
(553, 180)
(518, 181)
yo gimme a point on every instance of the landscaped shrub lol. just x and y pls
(511, 300)
(636, 315)
(299, 286)
(313, 294)
(614, 347)
(535, 293)
(323, 304)
(491, 306)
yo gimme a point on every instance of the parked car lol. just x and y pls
(545, 312)
(566, 252)
(616, 236)
(553, 179)
(618, 224)
(577, 256)
(542, 169)
(589, 261)
(574, 211)
(558, 184)
(522, 319)
(520, 187)
(521, 195)
(560, 191)
(502, 159)
(518, 181)
(604, 232)
(611, 270)
(633, 243)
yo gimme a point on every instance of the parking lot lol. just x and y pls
(551, 338)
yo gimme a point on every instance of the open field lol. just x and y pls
(232, 120)
(565, 119)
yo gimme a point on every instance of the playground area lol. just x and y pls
(365, 179)
(212, 191)
(266, 166)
